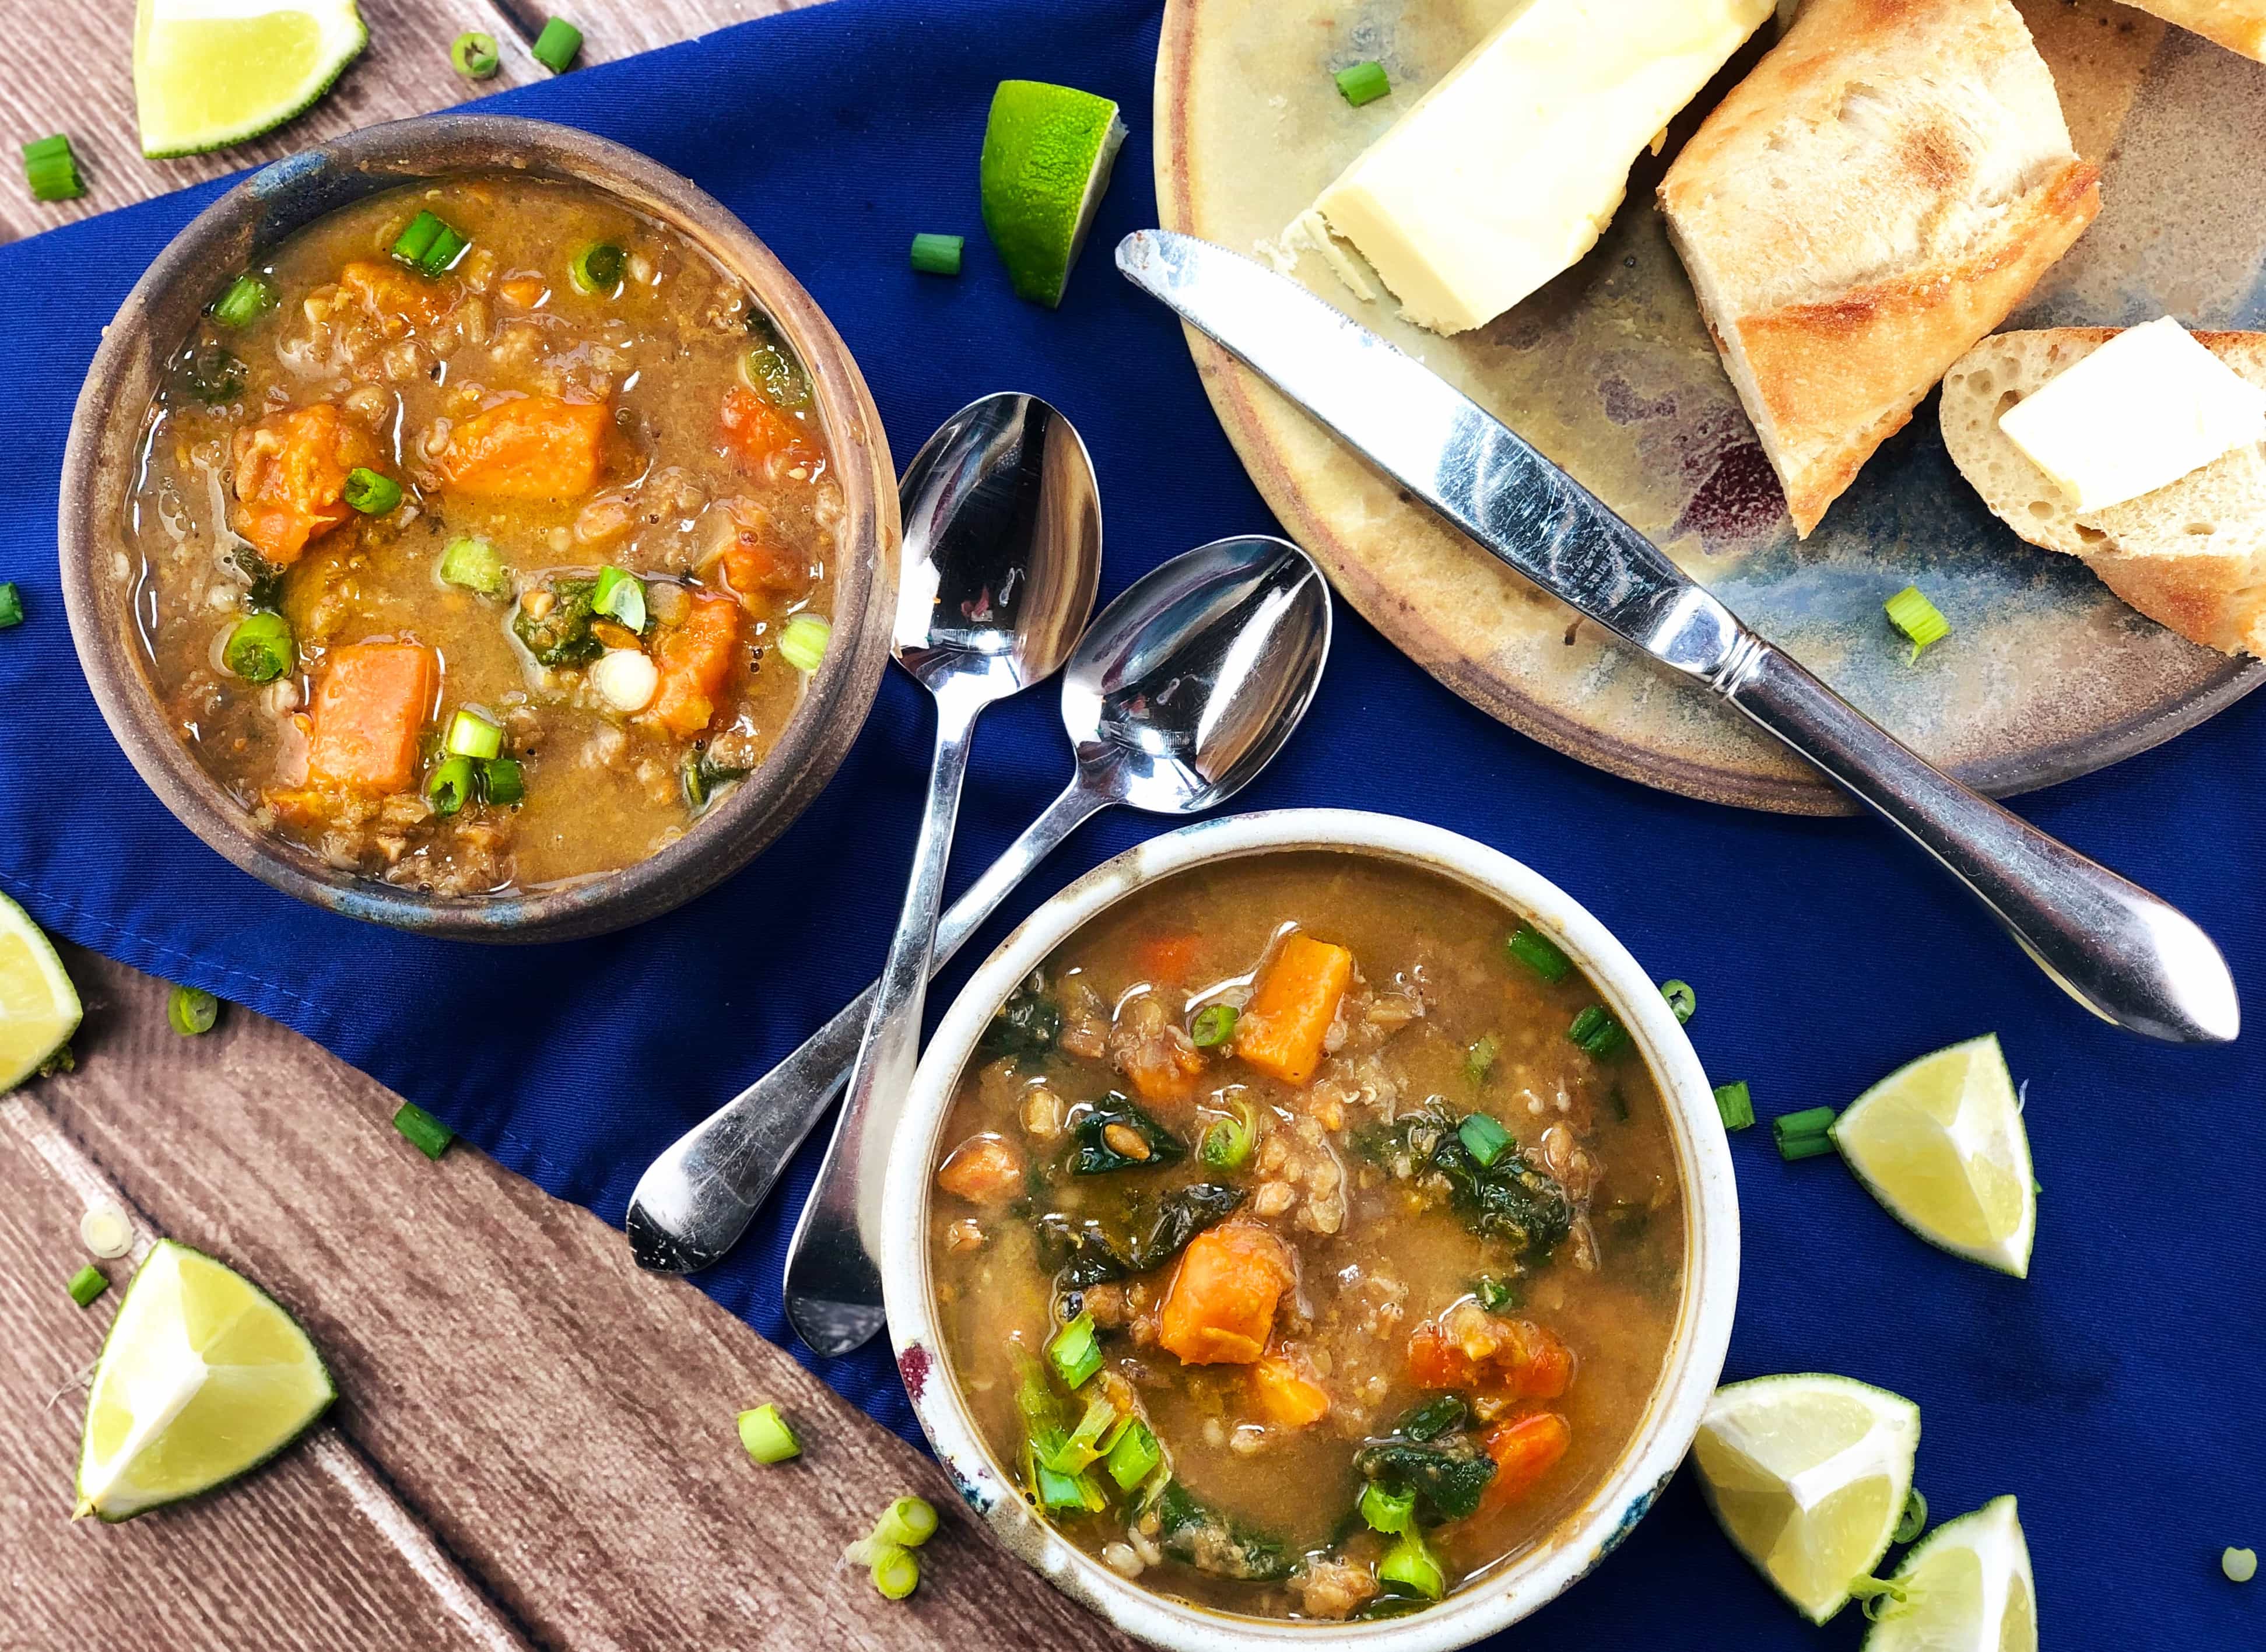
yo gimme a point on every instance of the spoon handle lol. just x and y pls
(833, 1279)
(696, 1200)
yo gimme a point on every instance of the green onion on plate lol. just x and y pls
(52, 170)
(557, 46)
(938, 254)
(474, 55)
(1363, 83)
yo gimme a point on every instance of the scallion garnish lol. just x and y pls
(1213, 1025)
(767, 1436)
(503, 782)
(895, 1573)
(1227, 1143)
(1681, 998)
(87, 1285)
(557, 46)
(260, 649)
(1483, 1139)
(1390, 1512)
(422, 1130)
(475, 565)
(1735, 1104)
(908, 1523)
(474, 55)
(1075, 1351)
(1496, 1296)
(191, 1012)
(1596, 1030)
(802, 644)
(242, 301)
(1804, 1134)
(370, 492)
(451, 784)
(1479, 1058)
(938, 254)
(52, 170)
(11, 604)
(1539, 954)
(621, 595)
(472, 736)
(1363, 83)
(429, 245)
(1133, 1456)
(1920, 619)
(1411, 1567)
(597, 268)
(2239, 1565)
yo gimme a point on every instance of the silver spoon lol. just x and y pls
(1002, 553)
(1181, 691)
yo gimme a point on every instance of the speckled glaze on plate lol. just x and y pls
(1694, 1360)
(1609, 370)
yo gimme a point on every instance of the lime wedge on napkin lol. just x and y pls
(202, 1379)
(210, 73)
(39, 1008)
(1808, 1475)
(1940, 1142)
(1047, 154)
(1967, 1589)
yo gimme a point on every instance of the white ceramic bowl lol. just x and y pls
(1710, 1267)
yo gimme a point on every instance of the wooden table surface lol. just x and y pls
(534, 1443)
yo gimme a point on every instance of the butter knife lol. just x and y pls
(2127, 956)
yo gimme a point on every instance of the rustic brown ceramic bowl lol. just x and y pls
(158, 314)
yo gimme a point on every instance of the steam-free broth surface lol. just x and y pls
(1284, 1181)
(483, 535)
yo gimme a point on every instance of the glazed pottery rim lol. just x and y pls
(262, 209)
(1690, 1370)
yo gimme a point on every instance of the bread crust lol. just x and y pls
(1883, 188)
(2239, 25)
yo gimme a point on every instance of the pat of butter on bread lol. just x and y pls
(2141, 412)
(1505, 173)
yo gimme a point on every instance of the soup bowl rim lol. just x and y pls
(1690, 1367)
(247, 221)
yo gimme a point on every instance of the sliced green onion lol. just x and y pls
(1596, 1030)
(1479, 1058)
(1075, 1351)
(767, 1436)
(11, 604)
(1496, 1296)
(260, 649)
(1913, 1521)
(87, 1285)
(1411, 1567)
(1133, 1456)
(597, 268)
(938, 254)
(474, 55)
(371, 493)
(802, 644)
(1363, 83)
(620, 594)
(242, 301)
(896, 1574)
(104, 1230)
(1227, 1143)
(1390, 1512)
(429, 245)
(191, 1010)
(908, 1523)
(1735, 1103)
(1059, 1492)
(2239, 1565)
(450, 785)
(556, 47)
(503, 782)
(1681, 998)
(769, 369)
(475, 565)
(422, 1130)
(1213, 1025)
(1920, 619)
(1483, 1139)
(1803, 1135)
(52, 170)
(472, 736)
(1538, 953)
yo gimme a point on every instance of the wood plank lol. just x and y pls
(562, 1422)
(404, 71)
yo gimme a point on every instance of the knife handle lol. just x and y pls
(2126, 955)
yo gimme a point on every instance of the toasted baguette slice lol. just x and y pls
(1888, 182)
(2239, 25)
(2192, 556)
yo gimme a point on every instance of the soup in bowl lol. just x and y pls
(1314, 1218)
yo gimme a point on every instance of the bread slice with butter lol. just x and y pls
(1887, 185)
(2239, 25)
(2191, 555)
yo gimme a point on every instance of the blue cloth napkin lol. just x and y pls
(2117, 1392)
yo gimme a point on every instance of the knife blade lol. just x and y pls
(2126, 954)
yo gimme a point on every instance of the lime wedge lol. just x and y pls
(1047, 153)
(1808, 1475)
(39, 1008)
(210, 73)
(201, 1379)
(1967, 1589)
(1941, 1143)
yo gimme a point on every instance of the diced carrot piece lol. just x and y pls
(1166, 960)
(521, 292)
(984, 1170)
(763, 441)
(291, 471)
(1164, 1069)
(1466, 1347)
(1220, 1307)
(386, 292)
(1282, 1029)
(756, 571)
(531, 447)
(370, 708)
(694, 658)
(1524, 1450)
(1287, 1392)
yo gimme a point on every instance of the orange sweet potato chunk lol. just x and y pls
(694, 658)
(762, 440)
(387, 292)
(1524, 1450)
(1220, 1306)
(531, 447)
(370, 709)
(1288, 1396)
(1282, 1029)
(982, 1170)
(291, 471)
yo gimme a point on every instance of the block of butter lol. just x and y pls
(1506, 172)
(2138, 414)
